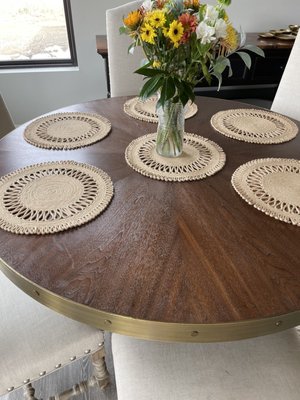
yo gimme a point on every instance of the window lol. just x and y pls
(36, 33)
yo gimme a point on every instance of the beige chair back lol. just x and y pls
(6, 122)
(287, 98)
(123, 80)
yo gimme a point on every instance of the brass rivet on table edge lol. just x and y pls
(278, 323)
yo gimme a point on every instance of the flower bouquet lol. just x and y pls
(185, 42)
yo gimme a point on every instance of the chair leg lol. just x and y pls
(101, 375)
(29, 392)
(99, 378)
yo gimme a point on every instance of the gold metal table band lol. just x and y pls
(153, 330)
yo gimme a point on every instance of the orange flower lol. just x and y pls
(133, 19)
(189, 23)
(194, 4)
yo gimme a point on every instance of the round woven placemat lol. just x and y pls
(254, 126)
(52, 197)
(145, 109)
(65, 131)
(271, 185)
(200, 158)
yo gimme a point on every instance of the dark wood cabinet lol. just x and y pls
(261, 80)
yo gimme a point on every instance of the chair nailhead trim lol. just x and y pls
(10, 389)
(73, 358)
(26, 380)
(57, 365)
(87, 351)
(42, 373)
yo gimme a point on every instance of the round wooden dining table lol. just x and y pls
(168, 261)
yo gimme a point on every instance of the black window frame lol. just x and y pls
(72, 62)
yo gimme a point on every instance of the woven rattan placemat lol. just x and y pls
(66, 131)
(254, 126)
(200, 158)
(145, 109)
(52, 197)
(271, 185)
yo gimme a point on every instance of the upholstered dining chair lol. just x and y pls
(287, 97)
(36, 341)
(123, 81)
(265, 368)
(6, 122)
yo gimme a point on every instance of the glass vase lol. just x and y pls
(170, 130)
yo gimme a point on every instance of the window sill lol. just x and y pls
(37, 70)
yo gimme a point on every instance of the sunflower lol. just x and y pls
(133, 19)
(157, 18)
(148, 33)
(175, 32)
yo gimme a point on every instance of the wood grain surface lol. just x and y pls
(191, 252)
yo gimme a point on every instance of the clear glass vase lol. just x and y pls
(170, 130)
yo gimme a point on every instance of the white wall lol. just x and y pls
(31, 93)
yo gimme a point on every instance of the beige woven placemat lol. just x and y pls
(52, 197)
(145, 109)
(200, 158)
(271, 185)
(65, 131)
(254, 126)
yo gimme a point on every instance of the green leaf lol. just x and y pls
(182, 93)
(123, 29)
(148, 71)
(170, 87)
(205, 72)
(225, 2)
(151, 86)
(188, 90)
(168, 90)
(254, 49)
(219, 77)
(245, 57)
(220, 65)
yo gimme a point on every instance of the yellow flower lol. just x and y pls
(132, 20)
(230, 42)
(148, 33)
(157, 18)
(156, 64)
(175, 32)
(165, 31)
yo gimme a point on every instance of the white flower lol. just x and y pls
(211, 14)
(220, 28)
(147, 5)
(205, 33)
